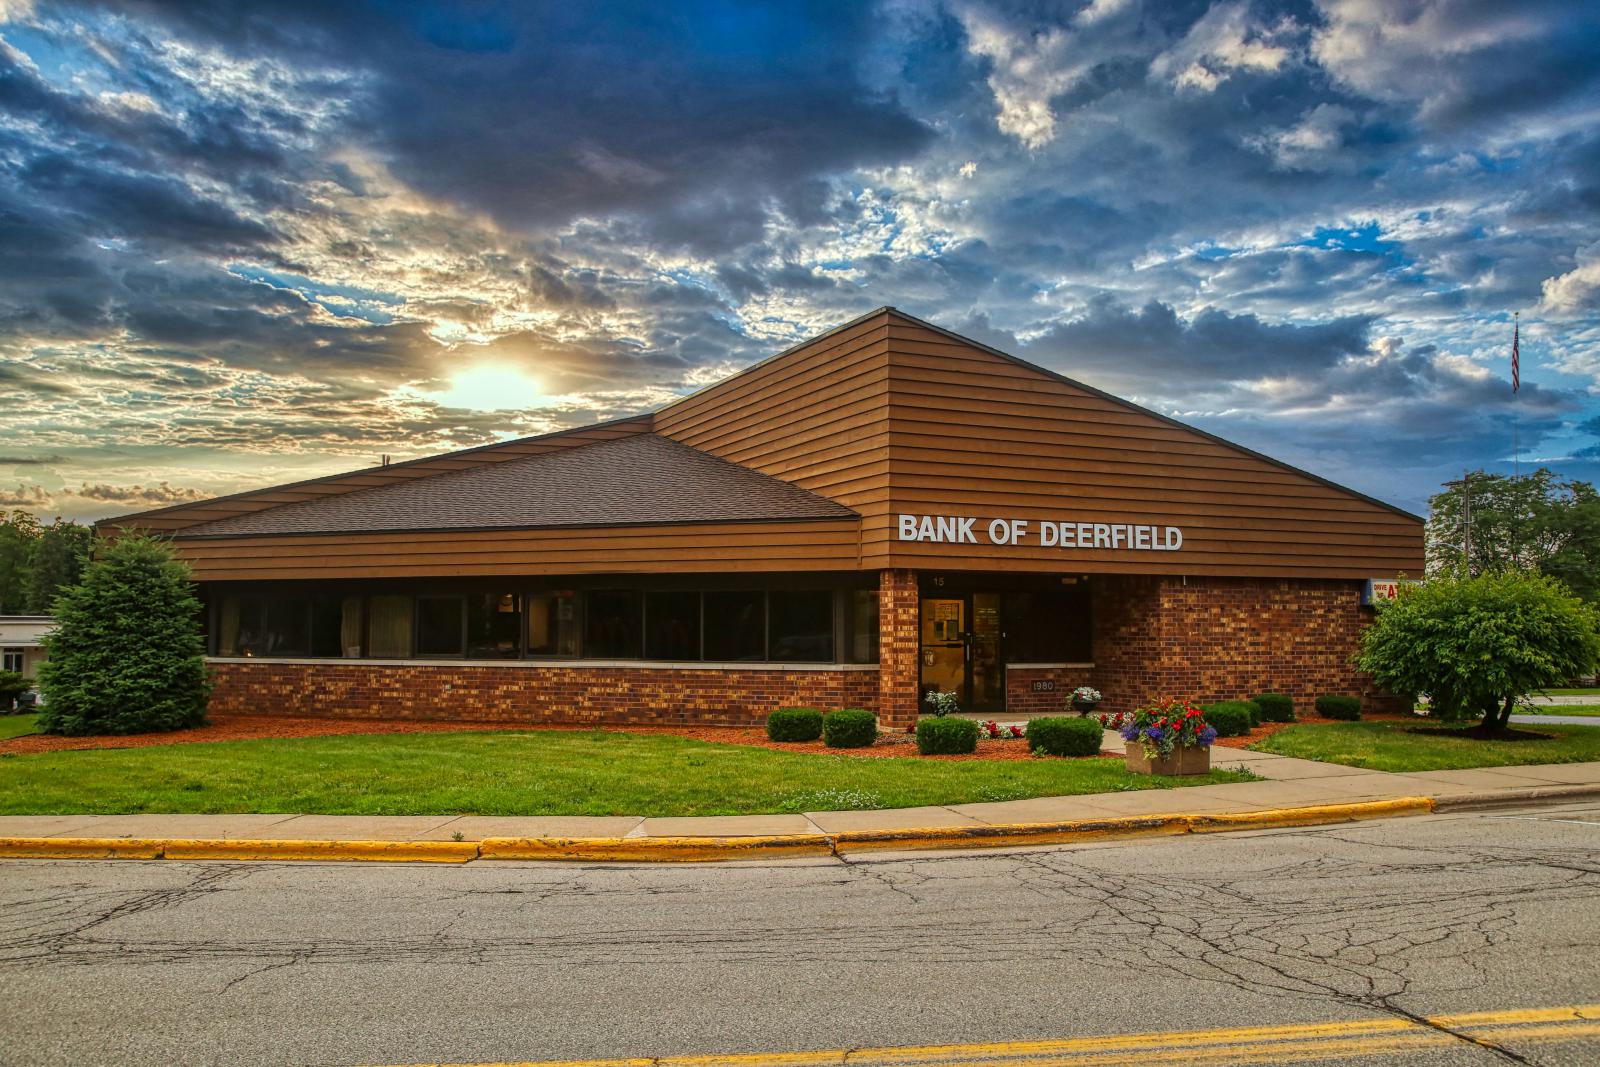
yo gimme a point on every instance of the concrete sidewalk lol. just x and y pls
(1289, 784)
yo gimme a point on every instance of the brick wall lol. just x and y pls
(531, 694)
(899, 669)
(1222, 638)
(1023, 700)
(1209, 639)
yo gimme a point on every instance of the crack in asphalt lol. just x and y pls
(1336, 918)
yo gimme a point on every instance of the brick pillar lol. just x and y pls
(899, 673)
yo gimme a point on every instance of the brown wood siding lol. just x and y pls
(666, 549)
(816, 416)
(975, 434)
(167, 520)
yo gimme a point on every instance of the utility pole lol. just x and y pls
(1465, 482)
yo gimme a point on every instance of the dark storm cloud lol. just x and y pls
(696, 123)
(1111, 342)
(275, 228)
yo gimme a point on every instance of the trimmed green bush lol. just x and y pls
(1230, 718)
(794, 724)
(849, 728)
(1061, 736)
(947, 736)
(1275, 707)
(1330, 706)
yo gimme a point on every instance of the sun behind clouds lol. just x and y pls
(491, 387)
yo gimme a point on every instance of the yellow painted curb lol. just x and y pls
(706, 849)
(655, 849)
(371, 851)
(1012, 834)
(89, 848)
(1315, 815)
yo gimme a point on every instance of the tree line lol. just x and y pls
(1489, 523)
(37, 560)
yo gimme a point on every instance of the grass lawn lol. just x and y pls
(1570, 692)
(1561, 709)
(1388, 746)
(526, 773)
(17, 725)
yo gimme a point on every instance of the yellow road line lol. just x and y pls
(1235, 1045)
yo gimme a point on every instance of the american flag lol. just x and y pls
(1516, 369)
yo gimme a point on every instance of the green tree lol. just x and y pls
(59, 558)
(1534, 523)
(1478, 645)
(126, 655)
(19, 536)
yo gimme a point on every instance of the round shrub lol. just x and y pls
(1275, 707)
(947, 736)
(1330, 706)
(849, 728)
(1230, 718)
(794, 724)
(1066, 736)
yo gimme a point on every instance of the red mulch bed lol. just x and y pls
(253, 727)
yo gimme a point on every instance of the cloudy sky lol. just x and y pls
(248, 243)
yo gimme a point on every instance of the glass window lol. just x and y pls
(735, 626)
(389, 627)
(553, 624)
(611, 621)
(351, 618)
(1047, 626)
(672, 626)
(286, 626)
(494, 621)
(12, 660)
(228, 627)
(438, 626)
(327, 625)
(801, 626)
(861, 622)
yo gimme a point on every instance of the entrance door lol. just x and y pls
(986, 685)
(944, 646)
(961, 650)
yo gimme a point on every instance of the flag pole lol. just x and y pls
(1516, 385)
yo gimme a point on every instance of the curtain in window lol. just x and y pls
(389, 628)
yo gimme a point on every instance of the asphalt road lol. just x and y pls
(169, 963)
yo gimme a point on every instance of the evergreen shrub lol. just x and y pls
(849, 728)
(946, 736)
(1330, 706)
(127, 655)
(1061, 736)
(1275, 707)
(794, 724)
(1231, 718)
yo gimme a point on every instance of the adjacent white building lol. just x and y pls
(22, 642)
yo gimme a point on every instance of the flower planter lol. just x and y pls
(1187, 759)
(1084, 707)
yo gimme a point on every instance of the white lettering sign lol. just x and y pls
(1115, 536)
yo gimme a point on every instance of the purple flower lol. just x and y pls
(1129, 732)
(1155, 733)
(1206, 736)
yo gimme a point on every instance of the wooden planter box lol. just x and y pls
(1182, 761)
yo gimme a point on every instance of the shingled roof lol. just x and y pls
(643, 479)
